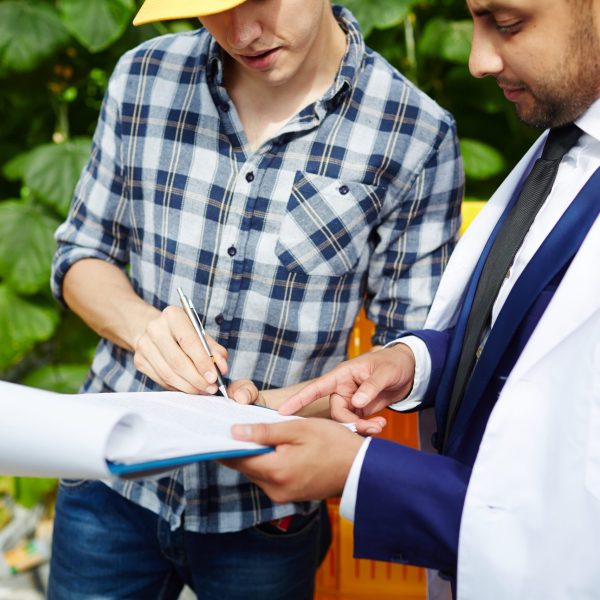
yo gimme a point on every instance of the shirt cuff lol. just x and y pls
(422, 373)
(348, 501)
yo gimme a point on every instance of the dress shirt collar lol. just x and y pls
(589, 121)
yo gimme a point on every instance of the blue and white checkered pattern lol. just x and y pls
(356, 199)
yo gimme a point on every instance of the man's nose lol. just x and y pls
(484, 59)
(244, 28)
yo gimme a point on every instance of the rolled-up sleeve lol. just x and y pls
(97, 225)
(416, 238)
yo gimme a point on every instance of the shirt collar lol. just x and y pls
(589, 121)
(349, 68)
(214, 61)
(347, 74)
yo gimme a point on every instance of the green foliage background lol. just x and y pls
(55, 60)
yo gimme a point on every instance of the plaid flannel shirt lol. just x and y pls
(355, 201)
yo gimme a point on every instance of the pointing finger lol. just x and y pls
(323, 386)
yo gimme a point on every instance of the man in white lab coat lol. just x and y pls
(510, 358)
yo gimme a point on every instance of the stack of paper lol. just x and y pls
(95, 436)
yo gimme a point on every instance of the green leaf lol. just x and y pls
(26, 246)
(6, 512)
(23, 323)
(481, 160)
(379, 14)
(74, 341)
(181, 26)
(96, 24)
(14, 169)
(7, 485)
(449, 40)
(30, 32)
(456, 44)
(30, 491)
(389, 43)
(65, 379)
(431, 39)
(52, 171)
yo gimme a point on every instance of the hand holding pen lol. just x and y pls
(190, 310)
(170, 352)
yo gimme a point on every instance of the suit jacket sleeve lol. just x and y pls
(409, 506)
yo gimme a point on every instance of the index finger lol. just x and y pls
(322, 386)
(187, 338)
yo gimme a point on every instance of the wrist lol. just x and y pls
(405, 357)
(261, 400)
(143, 314)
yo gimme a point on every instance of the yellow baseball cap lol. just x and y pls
(163, 10)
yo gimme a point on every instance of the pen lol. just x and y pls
(189, 309)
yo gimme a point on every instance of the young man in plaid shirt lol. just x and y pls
(284, 175)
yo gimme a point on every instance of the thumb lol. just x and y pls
(367, 393)
(382, 379)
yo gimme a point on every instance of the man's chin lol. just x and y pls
(534, 117)
(556, 114)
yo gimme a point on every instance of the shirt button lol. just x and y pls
(231, 251)
(225, 107)
(219, 319)
(250, 177)
(344, 189)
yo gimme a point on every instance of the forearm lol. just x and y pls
(102, 295)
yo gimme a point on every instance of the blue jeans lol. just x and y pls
(106, 547)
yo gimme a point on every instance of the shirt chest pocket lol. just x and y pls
(327, 224)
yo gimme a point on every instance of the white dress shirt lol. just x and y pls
(575, 169)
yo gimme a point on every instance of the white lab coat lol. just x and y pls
(530, 528)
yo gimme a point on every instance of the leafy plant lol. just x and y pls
(55, 60)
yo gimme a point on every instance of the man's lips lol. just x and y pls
(512, 93)
(260, 60)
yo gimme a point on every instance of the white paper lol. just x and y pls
(44, 434)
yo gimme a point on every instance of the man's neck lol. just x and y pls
(265, 108)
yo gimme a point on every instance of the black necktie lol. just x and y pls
(535, 190)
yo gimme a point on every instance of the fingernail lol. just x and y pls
(244, 396)
(241, 432)
(212, 389)
(359, 399)
(373, 431)
(210, 376)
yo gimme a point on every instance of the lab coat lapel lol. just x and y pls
(456, 278)
(575, 301)
(553, 255)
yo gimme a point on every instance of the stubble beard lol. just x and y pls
(573, 86)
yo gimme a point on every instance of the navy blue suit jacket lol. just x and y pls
(409, 503)
(430, 487)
